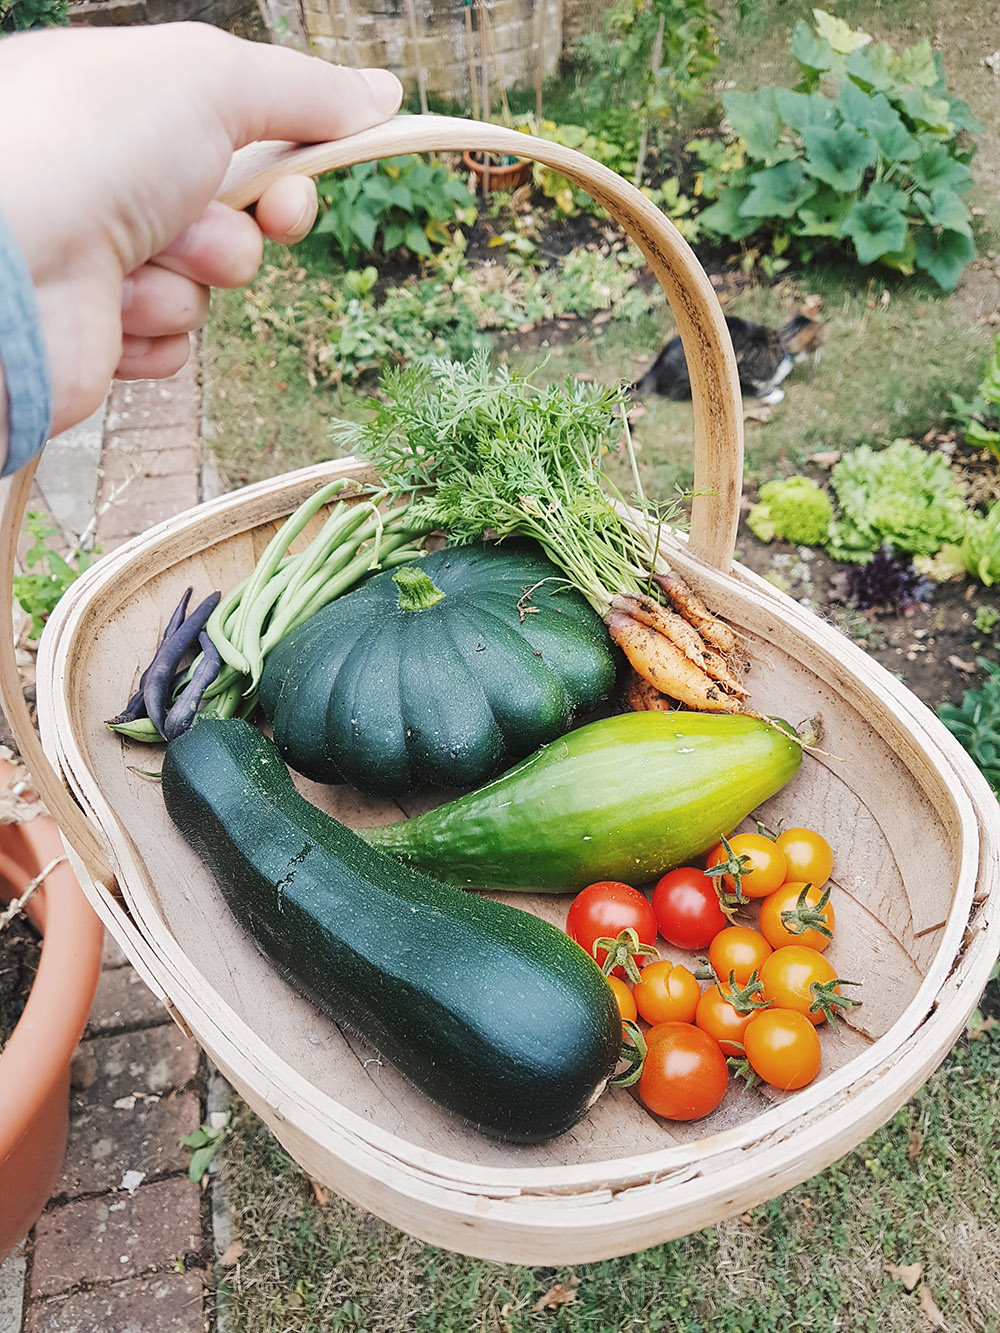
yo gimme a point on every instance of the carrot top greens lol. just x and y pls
(485, 451)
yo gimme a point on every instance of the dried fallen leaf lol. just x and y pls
(826, 458)
(978, 1029)
(915, 1146)
(762, 413)
(908, 1274)
(929, 1307)
(966, 668)
(320, 1193)
(231, 1254)
(556, 1296)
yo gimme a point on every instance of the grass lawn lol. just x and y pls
(923, 1189)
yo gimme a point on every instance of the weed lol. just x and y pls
(51, 573)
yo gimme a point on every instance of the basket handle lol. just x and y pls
(73, 824)
(718, 418)
(718, 415)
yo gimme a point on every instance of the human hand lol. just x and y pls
(123, 138)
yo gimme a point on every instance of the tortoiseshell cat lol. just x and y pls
(764, 356)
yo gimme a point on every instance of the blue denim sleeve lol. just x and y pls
(24, 360)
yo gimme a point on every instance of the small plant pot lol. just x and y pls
(501, 174)
(35, 1063)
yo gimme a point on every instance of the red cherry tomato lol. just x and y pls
(684, 1076)
(686, 907)
(737, 950)
(791, 914)
(763, 864)
(667, 993)
(808, 856)
(603, 911)
(782, 1048)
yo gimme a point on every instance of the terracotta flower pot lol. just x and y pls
(502, 175)
(35, 1063)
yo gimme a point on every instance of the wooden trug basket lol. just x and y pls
(914, 828)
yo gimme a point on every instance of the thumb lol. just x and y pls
(272, 92)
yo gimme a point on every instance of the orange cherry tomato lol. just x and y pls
(763, 864)
(716, 1016)
(684, 1075)
(667, 993)
(789, 977)
(782, 1048)
(791, 914)
(808, 856)
(624, 998)
(738, 950)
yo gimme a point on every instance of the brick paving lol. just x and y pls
(124, 1245)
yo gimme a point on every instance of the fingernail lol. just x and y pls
(128, 292)
(386, 89)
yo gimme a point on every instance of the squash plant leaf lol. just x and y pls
(824, 214)
(943, 208)
(814, 55)
(800, 110)
(839, 157)
(842, 38)
(726, 218)
(916, 65)
(943, 255)
(755, 118)
(927, 112)
(871, 67)
(935, 167)
(778, 192)
(905, 260)
(875, 230)
(887, 195)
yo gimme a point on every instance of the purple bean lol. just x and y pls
(136, 706)
(156, 691)
(185, 706)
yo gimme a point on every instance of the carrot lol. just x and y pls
(681, 634)
(642, 697)
(696, 613)
(658, 661)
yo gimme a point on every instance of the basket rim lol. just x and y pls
(174, 973)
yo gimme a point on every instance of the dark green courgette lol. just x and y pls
(625, 798)
(493, 1012)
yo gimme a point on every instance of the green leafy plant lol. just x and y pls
(986, 619)
(793, 509)
(979, 419)
(981, 545)
(398, 203)
(23, 14)
(867, 154)
(204, 1143)
(975, 723)
(651, 58)
(570, 198)
(902, 496)
(38, 591)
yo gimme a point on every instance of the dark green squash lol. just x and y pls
(440, 673)
(491, 1011)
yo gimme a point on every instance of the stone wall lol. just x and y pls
(239, 16)
(379, 32)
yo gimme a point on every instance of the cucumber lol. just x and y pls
(494, 1013)
(626, 798)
